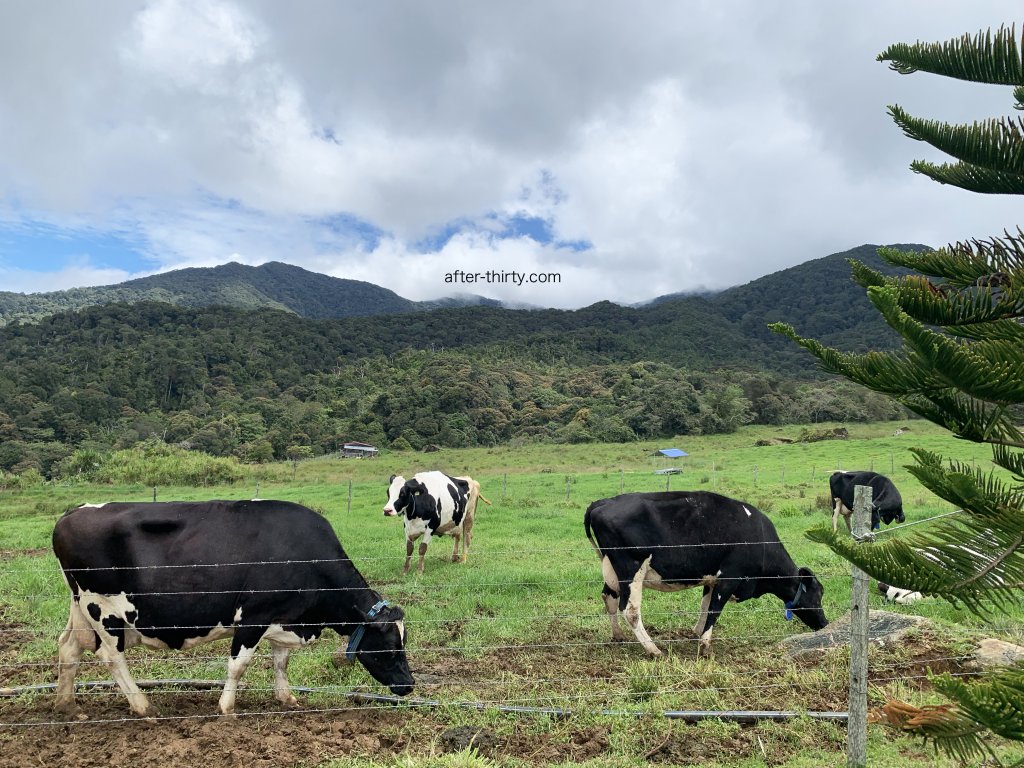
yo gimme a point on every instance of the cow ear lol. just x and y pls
(417, 487)
(806, 573)
(392, 479)
(391, 614)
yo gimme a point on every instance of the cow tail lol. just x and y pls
(590, 535)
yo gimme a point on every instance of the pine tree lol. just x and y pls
(961, 366)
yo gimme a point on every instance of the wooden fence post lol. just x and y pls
(349, 510)
(857, 724)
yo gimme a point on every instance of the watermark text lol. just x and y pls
(502, 277)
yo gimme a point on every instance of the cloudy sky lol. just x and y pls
(634, 151)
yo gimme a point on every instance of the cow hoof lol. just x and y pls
(290, 703)
(456, 559)
(66, 708)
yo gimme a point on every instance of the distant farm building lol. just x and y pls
(358, 451)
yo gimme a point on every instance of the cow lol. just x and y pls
(898, 594)
(675, 540)
(172, 575)
(433, 504)
(886, 502)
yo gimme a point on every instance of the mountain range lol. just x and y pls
(797, 294)
(273, 285)
(254, 362)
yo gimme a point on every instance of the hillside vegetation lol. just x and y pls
(267, 383)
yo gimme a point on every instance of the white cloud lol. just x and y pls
(691, 146)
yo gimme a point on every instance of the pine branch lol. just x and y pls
(993, 701)
(994, 144)
(985, 58)
(973, 178)
(992, 373)
(963, 260)
(948, 727)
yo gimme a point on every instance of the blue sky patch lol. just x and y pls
(40, 247)
(501, 227)
(351, 228)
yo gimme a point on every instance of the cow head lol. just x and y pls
(888, 513)
(395, 485)
(380, 647)
(806, 603)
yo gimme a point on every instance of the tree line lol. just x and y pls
(268, 385)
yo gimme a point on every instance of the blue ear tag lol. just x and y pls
(789, 614)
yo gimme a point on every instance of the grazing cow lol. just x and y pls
(886, 502)
(675, 540)
(898, 595)
(434, 504)
(177, 574)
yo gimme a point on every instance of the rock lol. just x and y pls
(883, 627)
(996, 653)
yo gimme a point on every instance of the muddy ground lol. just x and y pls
(264, 734)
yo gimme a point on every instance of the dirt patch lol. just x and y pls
(187, 733)
(190, 736)
(684, 748)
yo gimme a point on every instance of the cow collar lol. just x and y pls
(795, 602)
(357, 635)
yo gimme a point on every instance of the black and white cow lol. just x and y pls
(675, 540)
(173, 575)
(898, 594)
(434, 504)
(886, 502)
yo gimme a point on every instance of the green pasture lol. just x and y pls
(522, 623)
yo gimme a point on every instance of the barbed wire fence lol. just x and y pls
(604, 677)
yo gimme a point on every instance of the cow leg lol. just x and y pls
(717, 598)
(455, 552)
(629, 603)
(611, 604)
(408, 555)
(705, 602)
(243, 648)
(282, 690)
(76, 637)
(467, 526)
(610, 595)
(114, 659)
(423, 555)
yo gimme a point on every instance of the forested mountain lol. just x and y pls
(267, 383)
(270, 286)
(817, 298)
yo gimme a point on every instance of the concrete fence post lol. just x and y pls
(857, 724)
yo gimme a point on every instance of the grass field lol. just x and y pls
(522, 623)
